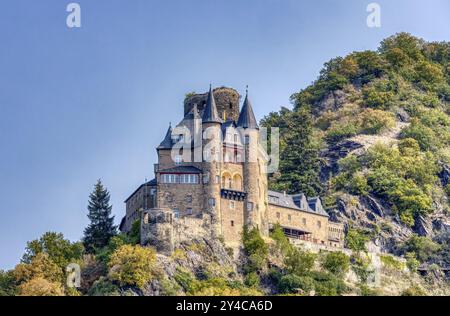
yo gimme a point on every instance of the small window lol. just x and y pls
(319, 224)
(249, 206)
(232, 223)
(247, 139)
(278, 215)
(289, 217)
(176, 213)
(189, 211)
(212, 202)
(217, 179)
(232, 205)
(304, 221)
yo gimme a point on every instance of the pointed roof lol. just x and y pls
(210, 112)
(167, 142)
(247, 117)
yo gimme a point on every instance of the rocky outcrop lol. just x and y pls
(444, 175)
(332, 155)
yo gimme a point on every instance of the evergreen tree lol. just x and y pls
(101, 228)
(299, 152)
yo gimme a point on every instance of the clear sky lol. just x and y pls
(81, 104)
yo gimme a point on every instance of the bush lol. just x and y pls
(375, 121)
(7, 283)
(326, 284)
(281, 241)
(411, 261)
(390, 262)
(299, 262)
(255, 249)
(423, 247)
(40, 287)
(40, 267)
(103, 287)
(295, 284)
(336, 263)
(133, 265)
(356, 240)
(414, 290)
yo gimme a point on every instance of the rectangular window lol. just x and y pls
(278, 215)
(249, 206)
(176, 213)
(178, 160)
(232, 206)
(189, 211)
(232, 223)
(212, 202)
(304, 221)
(289, 217)
(319, 224)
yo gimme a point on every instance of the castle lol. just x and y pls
(211, 181)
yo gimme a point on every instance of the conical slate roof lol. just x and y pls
(167, 142)
(210, 112)
(247, 117)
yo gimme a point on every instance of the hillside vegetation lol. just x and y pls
(375, 142)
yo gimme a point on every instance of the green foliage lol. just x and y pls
(41, 266)
(101, 228)
(7, 283)
(292, 283)
(59, 250)
(423, 247)
(135, 232)
(281, 241)
(337, 263)
(255, 249)
(327, 284)
(299, 152)
(390, 262)
(103, 287)
(411, 261)
(104, 254)
(299, 262)
(361, 266)
(133, 265)
(356, 240)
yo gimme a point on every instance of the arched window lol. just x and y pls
(237, 180)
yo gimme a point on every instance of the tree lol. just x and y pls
(336, 263)
(299, 152)
(41, 266)
(7, 283)
(101, 228)
(59, 250)
(133, 265)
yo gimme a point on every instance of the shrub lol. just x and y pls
(414, 290)
(256, 250)
(281, 241)
(299, 262)
(40, 267)
(356, 240)
(375, 121)
(336, 263)
(40, 287)
(360, 265)
(7, 283)
(292, 283)
(390, 262)
(424, 135)
(103, 287)
(411, 261)
(423, 247)
(326, 284)
(133, 265)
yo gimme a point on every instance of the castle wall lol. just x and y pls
(304, 221)
(232, 222)
(182, 197)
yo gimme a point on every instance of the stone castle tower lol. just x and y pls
(210, 181)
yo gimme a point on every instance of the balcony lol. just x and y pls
(233, 195)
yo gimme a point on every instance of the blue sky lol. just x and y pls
(81, 104)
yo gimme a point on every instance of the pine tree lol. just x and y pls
(101, 228)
